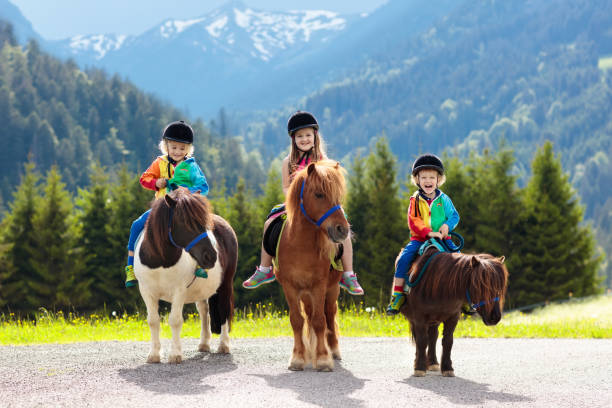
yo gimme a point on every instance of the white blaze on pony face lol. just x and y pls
(304, 139)
(428, 181)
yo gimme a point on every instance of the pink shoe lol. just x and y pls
(259, 278)
(351, 285)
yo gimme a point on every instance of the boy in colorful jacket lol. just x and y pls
(431, 215)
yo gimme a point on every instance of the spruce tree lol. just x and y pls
(386, 231)
(19, 244)
(557, 254)
(95, 239)
(128, 200)
(357, 207)
(59, 279)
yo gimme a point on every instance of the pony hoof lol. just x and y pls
(223, 349)
(336, 355)
(326, 369)
(175, 359)
(449, 373)
(434, 367)
(419, 373)
(296, 365)
(153, 359)
(204, 348)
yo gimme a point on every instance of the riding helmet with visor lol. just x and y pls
(178, 131)
(427, 161)
(300, 120)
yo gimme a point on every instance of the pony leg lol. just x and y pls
(297, 361)
(447, 345)
(323, 360)
(153, 321)
(224, 344)
(419, 332)
(331, 309)
(432, 360)
(205, 333)
(175, 321)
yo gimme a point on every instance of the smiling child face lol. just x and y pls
(428, 180)
(304, 138)
(177, 150)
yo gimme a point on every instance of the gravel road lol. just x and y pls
(374, 372)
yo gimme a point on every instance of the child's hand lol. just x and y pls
(434, 235)
(443, 230)
(160, 183)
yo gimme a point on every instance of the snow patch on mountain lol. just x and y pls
(100, 44)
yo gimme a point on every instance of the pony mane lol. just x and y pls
(449, 275)
(192, 211)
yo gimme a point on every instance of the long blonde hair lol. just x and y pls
(316, 153)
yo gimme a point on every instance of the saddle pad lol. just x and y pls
(272, 234)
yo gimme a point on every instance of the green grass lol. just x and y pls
(590, 318)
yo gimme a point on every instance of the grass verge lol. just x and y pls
(590, 318)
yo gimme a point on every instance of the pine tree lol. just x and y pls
(60, 280)
(128, 200)
(385, 232)
(272, 193)
(95, 239)
(557, 254)
(357, 207)
(19, 243)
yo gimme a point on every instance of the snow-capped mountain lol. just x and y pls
(220, 53)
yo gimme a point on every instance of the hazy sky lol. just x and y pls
(55, 19)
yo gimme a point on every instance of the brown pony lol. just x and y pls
(315, 226)
(450, 281)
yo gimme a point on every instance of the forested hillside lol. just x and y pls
(53, 113)
(525, 71)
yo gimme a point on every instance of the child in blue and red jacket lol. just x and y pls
(431, 215)
(175, 168)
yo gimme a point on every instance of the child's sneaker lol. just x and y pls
(259, 278)
(397, 300)
(351, 285)
(130, 278)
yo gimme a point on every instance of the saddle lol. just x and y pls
(272, 236)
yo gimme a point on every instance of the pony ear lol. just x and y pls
(337, 166)
(170, 201)
(474, 262)
(502, 259)
(311, 168)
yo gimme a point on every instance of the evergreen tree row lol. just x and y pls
(59, 251)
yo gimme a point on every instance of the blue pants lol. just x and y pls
(136, 229)
(409, 253)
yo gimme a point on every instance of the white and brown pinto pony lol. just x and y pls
(182, 233)
(315, 226)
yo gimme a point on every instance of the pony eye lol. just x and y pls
(319, 195)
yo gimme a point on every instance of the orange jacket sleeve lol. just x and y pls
(418, 227)
(150, 176)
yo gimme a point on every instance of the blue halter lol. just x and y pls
(324, 217)
(193, 241)
(475, 306)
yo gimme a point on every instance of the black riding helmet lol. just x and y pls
(300, 120)
(179, 131)
(427, 161)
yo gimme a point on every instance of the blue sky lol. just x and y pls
(56, 19)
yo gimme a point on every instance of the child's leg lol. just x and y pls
(135, 230)
(349, 278)
(401, 271)
(263, 273)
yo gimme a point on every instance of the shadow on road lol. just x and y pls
(461, 391)
(323, 389)
(180, 379)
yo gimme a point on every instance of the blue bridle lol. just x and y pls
(324, 217)
(475, 306)
(193, 241)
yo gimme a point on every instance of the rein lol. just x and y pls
(193, 241)
(323, 217)
(447, 249)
